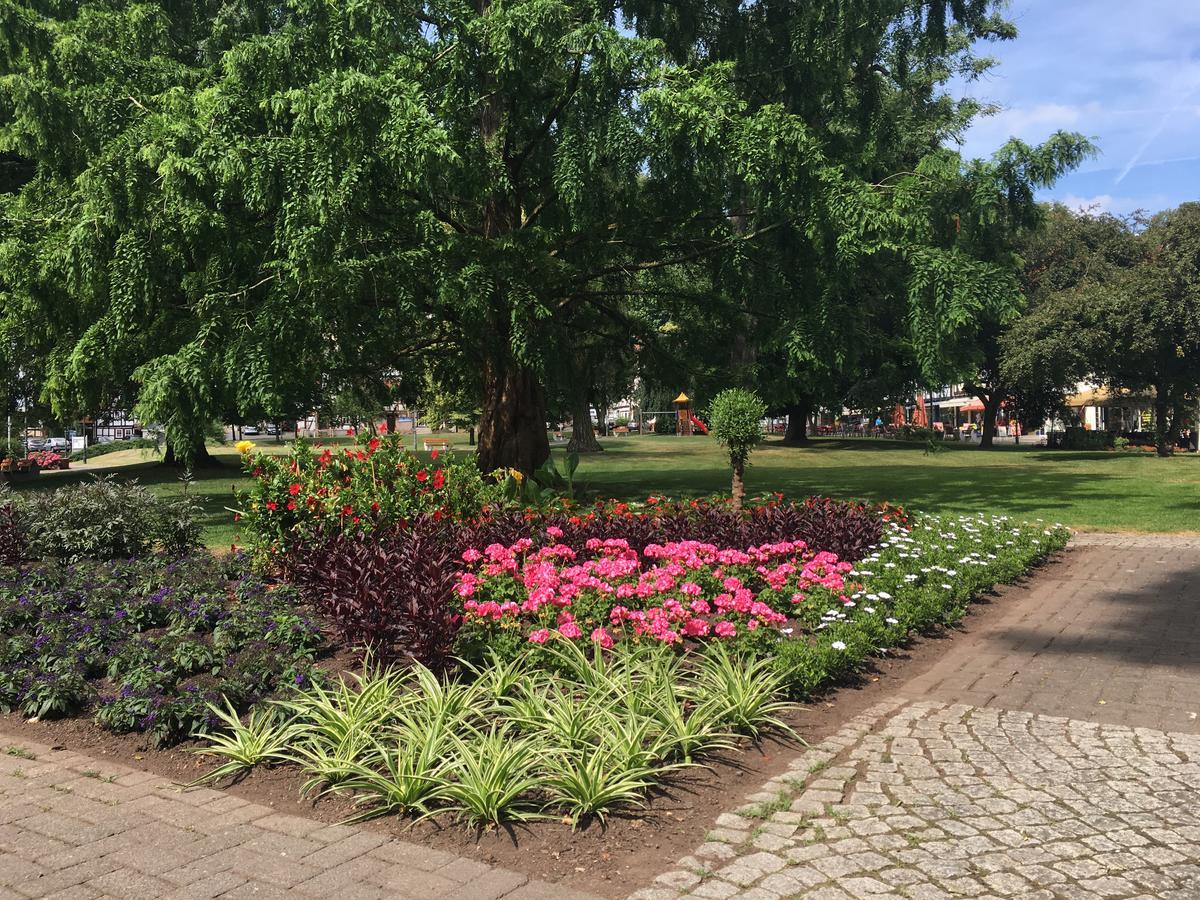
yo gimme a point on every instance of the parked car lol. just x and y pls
(250, 429)
(272, 429)
(33, 445)
(57, 444)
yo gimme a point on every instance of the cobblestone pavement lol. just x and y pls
(72, 826)
(1110, 633)
(1057, 757)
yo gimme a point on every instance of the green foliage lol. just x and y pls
(148, 645)
(918, 578)
(1126, 313)
(262, 739)
(735, 419)
(105, 518)
(233, 214)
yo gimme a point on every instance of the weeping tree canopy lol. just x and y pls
(231, 200)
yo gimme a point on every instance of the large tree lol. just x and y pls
(232, 199)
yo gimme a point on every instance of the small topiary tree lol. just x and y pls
(735, 419)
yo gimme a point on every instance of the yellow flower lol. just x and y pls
(517, 475)
(244, 447)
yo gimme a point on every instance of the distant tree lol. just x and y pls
(1123, 311)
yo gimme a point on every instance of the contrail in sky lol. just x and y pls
(1153, 136)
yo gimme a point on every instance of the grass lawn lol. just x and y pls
(1097, 491)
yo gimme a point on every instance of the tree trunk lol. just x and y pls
(1162, 437)
(991, 406)
(738, 488)
(583, 435)
(200, 457)
(797, 425)
(512, 429)
(1176, 425)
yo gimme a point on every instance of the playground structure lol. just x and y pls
(686, 423)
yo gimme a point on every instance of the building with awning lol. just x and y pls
(1103, 409)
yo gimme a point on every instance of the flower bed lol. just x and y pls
(393, 589)
(600, 672)
(146, 645)
(519, 741)
(815, 615)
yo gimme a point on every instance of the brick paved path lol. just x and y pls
(72, 826)
(1059, 758)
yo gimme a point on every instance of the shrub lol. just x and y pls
(664, 423)
(916, 433)
(388, 592)
(103, 519)
(313, 493)
(735, 419)
(1080, 439)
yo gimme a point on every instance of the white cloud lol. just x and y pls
(1099, 204)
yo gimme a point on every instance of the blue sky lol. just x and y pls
(1126, 73)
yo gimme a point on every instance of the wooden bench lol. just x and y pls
(621, 430)
(432, 443)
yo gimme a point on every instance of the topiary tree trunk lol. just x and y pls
(738, 488)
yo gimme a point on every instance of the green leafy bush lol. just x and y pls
(1080, 439)
(104, 519)
(916, 433)
(664, 423)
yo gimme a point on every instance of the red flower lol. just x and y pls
(373, 444)
(349, 432)
(294, 489)
(383, 429)
(347, 510)
(437, 515)
(439, 478)
(237, 517)
(291, 504)
(422, 475)
(271, 505)
(375, 506)
(433, 455)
